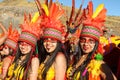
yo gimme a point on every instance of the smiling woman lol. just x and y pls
(88, 63)
(26, 62)
(7, 53)
(53, 59)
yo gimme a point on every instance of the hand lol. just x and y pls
(3, 29)
(70, 72)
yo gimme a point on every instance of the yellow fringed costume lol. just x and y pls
(50, 74)
(1, 67)
(18, 72)
(93, 69)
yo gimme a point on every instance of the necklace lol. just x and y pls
(81, 60)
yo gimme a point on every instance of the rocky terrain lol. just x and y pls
(12, 11)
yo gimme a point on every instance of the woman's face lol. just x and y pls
(50, 44)
(25, 48)
(5, 51)
(87, 44)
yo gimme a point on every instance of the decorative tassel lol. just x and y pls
(84, 73)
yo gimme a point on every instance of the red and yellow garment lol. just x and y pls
(50, 74)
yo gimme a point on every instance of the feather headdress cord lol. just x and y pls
(97, 18)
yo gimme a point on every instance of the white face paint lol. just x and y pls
(87, 44)
(25, 48)
(50, 44)
(5, 50)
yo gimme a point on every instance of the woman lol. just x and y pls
(8, 51)
(53, 62)
(88, 64)
(26, 63)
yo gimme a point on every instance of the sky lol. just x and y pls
(112, 6)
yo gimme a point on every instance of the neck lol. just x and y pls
(23, 57)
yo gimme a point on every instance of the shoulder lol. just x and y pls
(7, 59)
(60, 58)
(35, 60)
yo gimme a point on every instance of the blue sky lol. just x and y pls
(112, 6)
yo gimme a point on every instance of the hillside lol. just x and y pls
(13, 11)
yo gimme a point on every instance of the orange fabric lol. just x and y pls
(93, 77)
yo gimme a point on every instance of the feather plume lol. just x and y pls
(45, 7)
(50, 4)
(13, 33)
(98, 10)
(90, 9)
(40, 9)
(79, 11)
(35, 17)
(72, 12)
(46, 2)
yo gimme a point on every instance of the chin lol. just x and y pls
(86, 52)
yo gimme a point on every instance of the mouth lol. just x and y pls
(85, 48)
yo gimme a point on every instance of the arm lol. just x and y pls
(106, 73)
(3, 37)
(6, 63)
(34, 69)
(60, 66)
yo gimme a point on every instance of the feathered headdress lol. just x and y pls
(12, 38)
(31, 30)
(74, 21)
(93, 22)
(30, 33)
(53, 27)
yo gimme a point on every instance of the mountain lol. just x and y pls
(13, 11)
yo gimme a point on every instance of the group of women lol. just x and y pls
(39, 51)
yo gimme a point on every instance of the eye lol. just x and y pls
(5, 47)
(82, 40)
(91, 41)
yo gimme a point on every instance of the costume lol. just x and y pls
(11, 42)
(30, 34)
(52, 28)
(50, 73)
(92, 27)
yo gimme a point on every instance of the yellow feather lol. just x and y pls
(45, 9)
(35, 17)
(98, 10)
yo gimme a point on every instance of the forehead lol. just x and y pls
(51, 39)
(87, 38)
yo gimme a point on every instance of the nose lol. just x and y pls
(47, 42)
(86, 43)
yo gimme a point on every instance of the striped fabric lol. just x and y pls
(91, 32)
(10, 43)
(28, 38)
(52, 33)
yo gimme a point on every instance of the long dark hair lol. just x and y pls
(85, 63)
(25, 63)
(43, 54)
